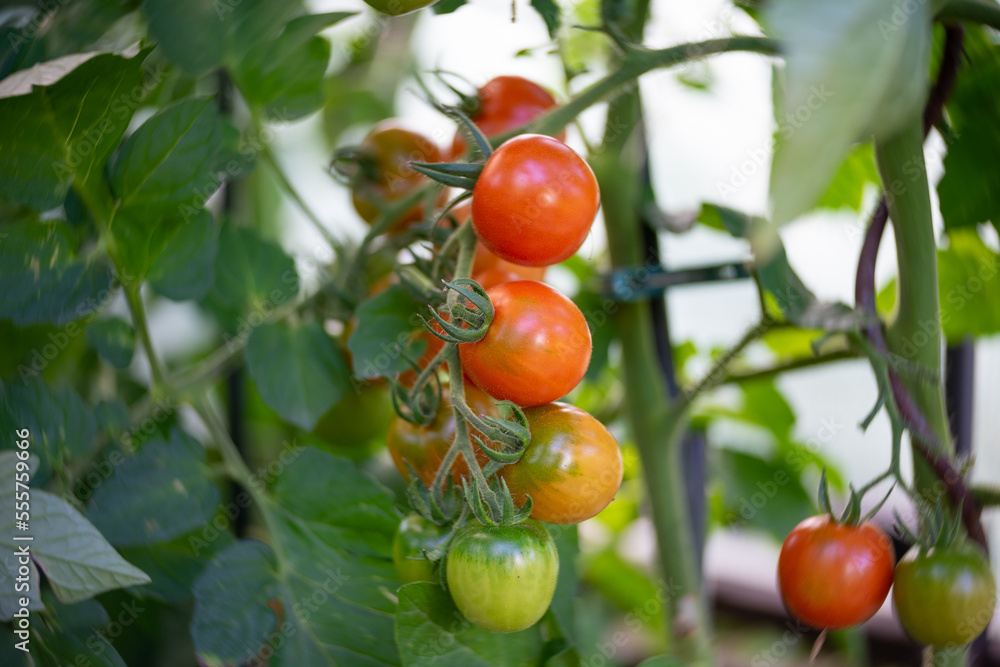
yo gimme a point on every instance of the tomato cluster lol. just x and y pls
(834, 576)
(533, 205)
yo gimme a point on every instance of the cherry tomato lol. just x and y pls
(398, 7)
(534, 201)
(572, 468)
(944, 598)
(432, 345)
(415, 536)
(424, 447)
(507, 103)
(502, 579)
(386, 175)
(833, 575)
(537, 348)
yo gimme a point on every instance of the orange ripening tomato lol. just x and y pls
(386, 174)
(537, 348)
(535, 201)
(571, 469)
(832, 575)
(485, 261)
(424, 447)
(506, 103)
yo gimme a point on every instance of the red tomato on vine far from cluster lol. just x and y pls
(386, 175)
(833, 575)
(535, 201)
(536, 349)
(571, 469)
(507, 103)
(424, 447)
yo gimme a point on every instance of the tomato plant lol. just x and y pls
(944, 597)
(244, 291)
(832, 575)
(502, 579)
(535, 201)
(505, 103)
(537, 347)
(415, 538)
(572, 468)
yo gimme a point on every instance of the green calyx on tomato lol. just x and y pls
(415, 538)
(833, 575)
(534, 201)
(571, 469)
(536, 350)
(944, 597)
(502, 578)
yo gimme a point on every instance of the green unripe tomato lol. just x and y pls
(398, 7)
(414, 536)
(502, 579)
(944, 597)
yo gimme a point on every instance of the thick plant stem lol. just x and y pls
(915, 331)
(655, 425)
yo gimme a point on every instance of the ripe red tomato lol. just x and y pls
(535, 201)
(944, 597)
(506, 103)
(832, 575)
(424, 447)
(502, 579)
(485, 261)
(415, 536)
(398, 7)
(386, 175)
(536, 350)
(572, 468)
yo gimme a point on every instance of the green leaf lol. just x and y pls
(447, 6)
(969, 287)
(335, 602)
(77, 561)
(761, 493)
(847, 188)
(551, 13)
(298, 370)
(114, 339)
(968, 190)
(726, 219)
(286, 79)
(61, 424)
(41, 281)
(431, 631)
(568, 546)
(185, 268)
(62, 119)
(174, 566)
(385, 322)
(16, 37)
(71, 634)
(251, 275)
(160, 493)
(188, 31)
(9, 598)
(854, 68)
(168, 162)
(661, 661)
